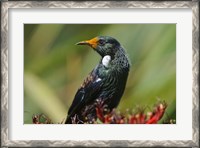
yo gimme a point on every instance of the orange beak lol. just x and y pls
(93, 42)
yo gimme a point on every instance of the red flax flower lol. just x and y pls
(157, 114)
(40, 119)
(104, 116)
(137, 118)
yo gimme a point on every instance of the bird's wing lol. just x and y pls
(88, 90)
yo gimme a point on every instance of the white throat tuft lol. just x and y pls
(106, 60)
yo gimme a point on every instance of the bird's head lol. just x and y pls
(104, 45)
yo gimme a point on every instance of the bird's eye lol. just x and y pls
(101, 42)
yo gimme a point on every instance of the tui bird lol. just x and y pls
(106, 82)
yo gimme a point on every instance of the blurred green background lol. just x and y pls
(54, 67)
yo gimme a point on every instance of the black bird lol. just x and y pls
(106, 82)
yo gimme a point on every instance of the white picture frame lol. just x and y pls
(6, 9)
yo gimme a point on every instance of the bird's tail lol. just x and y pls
(68, 120)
